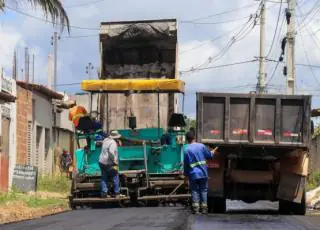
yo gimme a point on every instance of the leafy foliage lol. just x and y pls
(316, 132)
(314, 180)
(54, 183)
(52, 8)
(191, 123)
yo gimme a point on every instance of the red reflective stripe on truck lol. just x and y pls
(239, 131)
(215, 132)
(264, 132)
(213, 164)
(290, 134)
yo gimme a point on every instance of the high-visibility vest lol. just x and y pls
(76, 113)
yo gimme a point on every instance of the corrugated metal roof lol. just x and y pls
(7, 97)
(40, 89)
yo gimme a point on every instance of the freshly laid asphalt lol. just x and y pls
(261, 215)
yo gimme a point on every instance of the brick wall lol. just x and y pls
(24, 112)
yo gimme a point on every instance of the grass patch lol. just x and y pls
(60, 184)
(34, 202)
(314, 180)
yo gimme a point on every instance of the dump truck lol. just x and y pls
(263, 145)
(138, 50)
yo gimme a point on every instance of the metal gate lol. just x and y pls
(4, 155)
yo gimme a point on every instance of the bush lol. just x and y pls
(54, 183)
(314, 180)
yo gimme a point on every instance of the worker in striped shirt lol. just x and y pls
(195, 168)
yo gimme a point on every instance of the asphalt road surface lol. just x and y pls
(261, 215)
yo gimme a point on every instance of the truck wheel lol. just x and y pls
(220, 205)
(284, 207)
(287, 207)
(210, 205)
(217, 205)
(300, 208)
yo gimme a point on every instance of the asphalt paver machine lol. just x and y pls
(150, 159)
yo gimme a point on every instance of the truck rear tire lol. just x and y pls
(287, 207)
(217, 205)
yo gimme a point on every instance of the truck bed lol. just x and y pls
(249, 120)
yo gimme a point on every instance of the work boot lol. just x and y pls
(195, 208)
(104, 195)
(204, 209)
(118, 195)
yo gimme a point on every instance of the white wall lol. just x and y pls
(84, 100)
(63, 121)
(9, 85)
(43, 117)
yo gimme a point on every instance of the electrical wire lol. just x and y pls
(312, 35)
(48, 21)
(84, 4)
(219, 66)
(273, 74)
(81, 36)
(307, 57)
(297, 64)
(275, 32)
(214, 23)
(224, 12)
(214, 39)
(233, 40)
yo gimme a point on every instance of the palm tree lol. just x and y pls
(54, 8)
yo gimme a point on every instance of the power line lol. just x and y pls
(307, 56)
(81, 36)
(275, 32)
(224, 12)
(298, 64)
(84, 4)
(219, 66)
(273, 74)
(232, 41)
(48, 21)
(214, 23)
(214, 39)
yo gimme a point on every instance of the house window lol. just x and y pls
(47, 140)
(29, 159)
(38, 145)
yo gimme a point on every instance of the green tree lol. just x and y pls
(52, 8)
(190, 123)
(316, 131)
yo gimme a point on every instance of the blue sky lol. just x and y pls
(75, 52)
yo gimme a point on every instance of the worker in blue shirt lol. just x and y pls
(195, 168)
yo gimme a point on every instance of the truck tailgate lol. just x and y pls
(251, 119)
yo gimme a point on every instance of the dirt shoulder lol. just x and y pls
(17, 207)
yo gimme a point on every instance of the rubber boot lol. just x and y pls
(195, 208)
(204, 209)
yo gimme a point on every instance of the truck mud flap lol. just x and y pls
(291, 187)
(294, 170)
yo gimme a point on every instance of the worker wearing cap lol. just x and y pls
(76, 113)
(195, 168)
(108, 162)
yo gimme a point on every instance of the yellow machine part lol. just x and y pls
(136, 85)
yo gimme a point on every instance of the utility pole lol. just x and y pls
(14, 68)
(32, 68)
(262, 69)
(291, 33)
(26, 64)
(54, 43)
